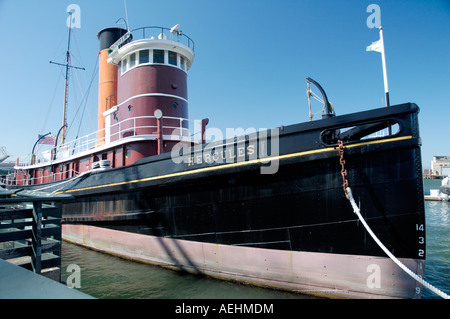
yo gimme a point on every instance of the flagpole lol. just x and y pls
(383, 58)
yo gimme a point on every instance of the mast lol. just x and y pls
(66, 85)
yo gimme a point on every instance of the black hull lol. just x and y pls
(291, 211)
(300, 208)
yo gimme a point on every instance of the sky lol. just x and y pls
(252, 58)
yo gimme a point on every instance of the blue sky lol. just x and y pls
(252, 58)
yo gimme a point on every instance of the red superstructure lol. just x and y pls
(142, 106)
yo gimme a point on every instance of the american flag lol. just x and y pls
(49, 139)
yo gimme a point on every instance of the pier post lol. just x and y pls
(37, 238)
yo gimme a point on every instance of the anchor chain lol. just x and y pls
(356, 210)
(343, 170)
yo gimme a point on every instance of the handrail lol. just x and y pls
(177, 36)
(130, 127)
(52, 177)
(111, 100)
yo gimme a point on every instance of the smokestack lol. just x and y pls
(107, 76)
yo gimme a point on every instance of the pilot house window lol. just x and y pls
(132, 60)
(124, 65)
(143, 56)
(182, 65)
(158, 56)
(172, 58)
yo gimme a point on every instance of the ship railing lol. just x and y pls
(175, 128)
(24, 160)
(4, 180)
(163, 33)
(11, 179)
(111, 101)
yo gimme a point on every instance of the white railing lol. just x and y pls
(11, 179)
(175, 127)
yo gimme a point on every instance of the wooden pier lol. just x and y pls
(30, 230)
(30, 239)
(435, 199)
(19, 283)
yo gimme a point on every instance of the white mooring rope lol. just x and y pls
(398, 262)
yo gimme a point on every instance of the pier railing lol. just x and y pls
(30, 230)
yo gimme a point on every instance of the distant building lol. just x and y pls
(437, 164)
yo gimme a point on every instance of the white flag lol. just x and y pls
(376, 46)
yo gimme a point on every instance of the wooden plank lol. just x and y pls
(15, 252)
(50, 231)
(8, 214)
(20, 250)
(52, 248)
(18, 223)
(51, 221)
(47, 260)
(16, 234)
(52, 211)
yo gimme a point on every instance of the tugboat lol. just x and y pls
(263, 207)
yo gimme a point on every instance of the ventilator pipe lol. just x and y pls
(328, 108)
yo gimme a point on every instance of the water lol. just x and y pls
(106, 276)
(437, 266)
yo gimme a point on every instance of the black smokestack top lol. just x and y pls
(108, 36)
